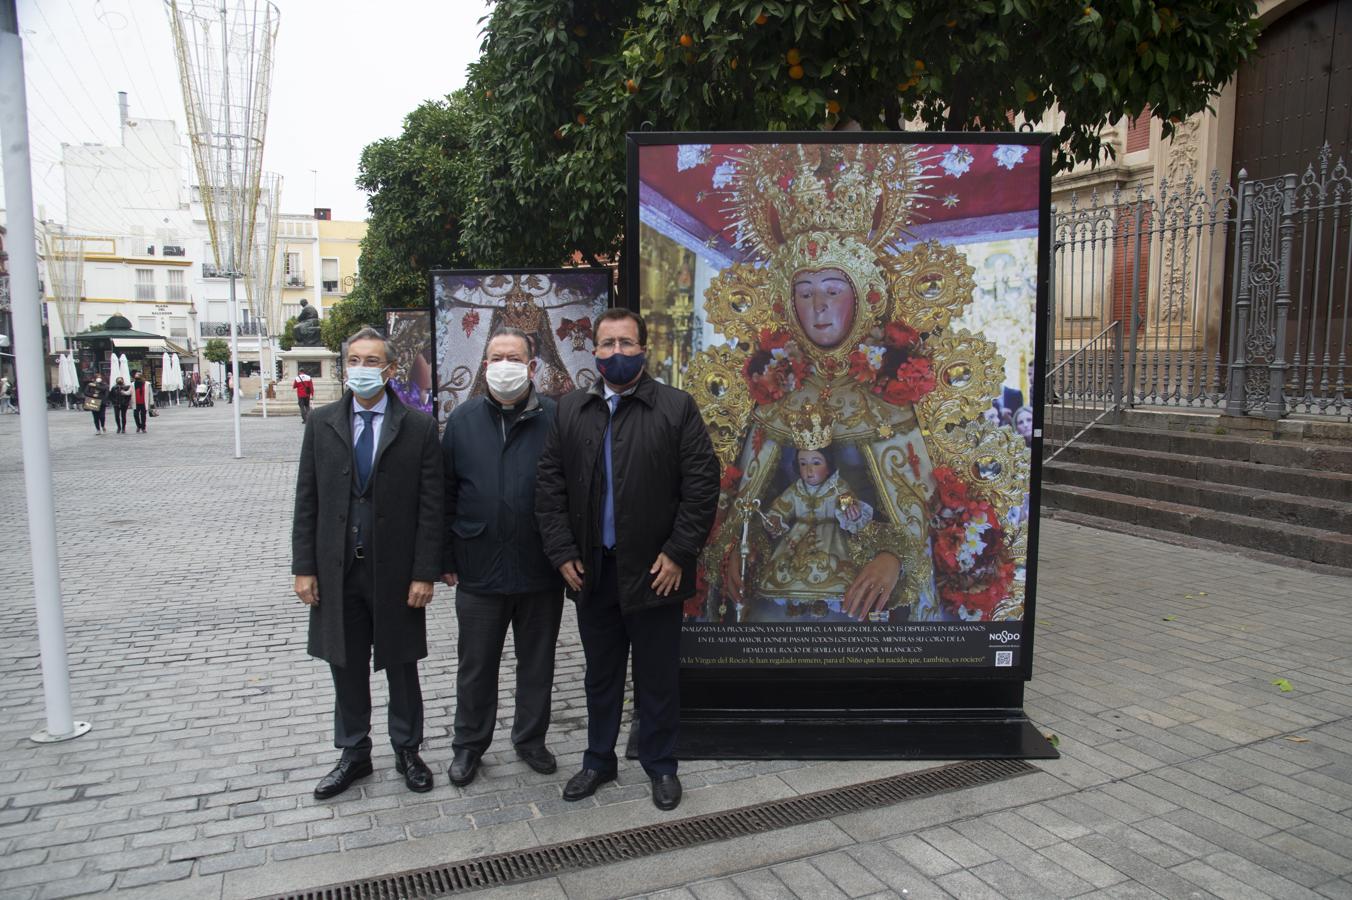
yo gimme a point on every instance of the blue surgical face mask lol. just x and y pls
(365, 381)
(620, 369)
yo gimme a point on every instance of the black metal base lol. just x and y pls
(963, 738)
(960, 737)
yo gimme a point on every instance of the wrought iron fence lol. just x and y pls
(253, 327)
(1228, 298)
(1082, 390)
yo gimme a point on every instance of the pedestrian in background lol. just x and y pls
(494, 558)
(140, 398)
(628, 485)
(366, 551)
(96, 401)
(305, 391)
(120, 396)
(6, 390)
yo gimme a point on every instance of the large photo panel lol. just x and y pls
(856, 316)
(409, 332)
(556, 307)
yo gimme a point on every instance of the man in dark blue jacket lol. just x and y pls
(495, 560)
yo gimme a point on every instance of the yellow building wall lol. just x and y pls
(341, 240)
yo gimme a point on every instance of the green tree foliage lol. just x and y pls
(217, 351)
(349, 315)
(560, 82)
(288, 338)
(419, 185)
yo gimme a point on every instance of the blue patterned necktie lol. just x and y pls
(608, 505)
(365, 444)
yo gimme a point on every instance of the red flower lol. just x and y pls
(950, 490)
(860, 369)
(774, 340)
(900, 335)
(731, 474)
(914, 379)
(947, 543)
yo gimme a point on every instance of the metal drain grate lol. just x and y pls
(540, 862)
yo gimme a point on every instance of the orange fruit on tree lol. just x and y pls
(631, 86)
(1030, 96)
(582, 118)
(762, 19)
(833, 107)
(687, 41)
(732, 63)
(795, 72)
(793, 56)
(920, 65)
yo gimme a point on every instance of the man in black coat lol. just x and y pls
(494, 558)
(366, 551)
(626, 497)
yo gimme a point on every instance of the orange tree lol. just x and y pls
(560, 82)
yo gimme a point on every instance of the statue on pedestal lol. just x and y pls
(307, 326)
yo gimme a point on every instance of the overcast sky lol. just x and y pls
(346, 74)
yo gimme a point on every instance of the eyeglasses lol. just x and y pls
(623, 344)
(373, 362)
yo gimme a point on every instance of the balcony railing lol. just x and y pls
(331, 287)
(295, 280)
(222, 329)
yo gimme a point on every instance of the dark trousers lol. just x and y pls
(120, 417)
(352, 682)
(607, 634)
(139, 414)
(101, 419)
(304, 407)
(483, 619)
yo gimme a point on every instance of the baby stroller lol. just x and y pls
(202, 396)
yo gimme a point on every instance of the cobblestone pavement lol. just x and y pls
(1185, 773)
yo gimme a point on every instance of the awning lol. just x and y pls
(150, 345)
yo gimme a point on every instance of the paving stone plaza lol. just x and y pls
(1185, 771)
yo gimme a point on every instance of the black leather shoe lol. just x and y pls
(416, 774)
(341, 778)
(464, 766)
(539, 759)
(666, 791)
(585, 783)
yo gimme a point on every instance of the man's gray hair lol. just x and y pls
(370, 334)
(510, 331)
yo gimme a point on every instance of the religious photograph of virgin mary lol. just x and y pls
(847, 314)
(555, 308)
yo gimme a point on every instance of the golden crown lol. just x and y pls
(811, 428)
(780, 192)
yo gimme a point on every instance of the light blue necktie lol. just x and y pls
(366, 442)
(608, 506)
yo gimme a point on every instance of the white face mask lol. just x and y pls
(508, 380)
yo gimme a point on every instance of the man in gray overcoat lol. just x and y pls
(366, 549)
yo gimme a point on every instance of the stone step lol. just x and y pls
(1289, 453)
(1250, 500)
(1296, 541)
(1282, 479)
